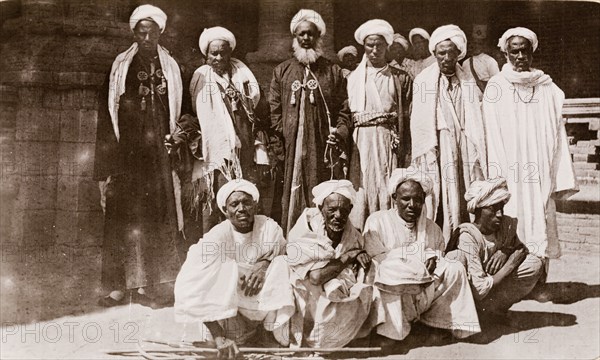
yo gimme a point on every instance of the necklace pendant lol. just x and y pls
(143, 104)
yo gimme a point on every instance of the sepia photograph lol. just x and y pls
(286, 179)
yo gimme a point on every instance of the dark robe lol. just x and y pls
(284, 120)
(140, 230)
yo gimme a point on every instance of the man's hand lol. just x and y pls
(364, 260)
(227, 348)
(171, 144)
(430, 264)
(496, 262)
(253, 283)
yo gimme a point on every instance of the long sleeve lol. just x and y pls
(481, 281)
(108, 159)
(275, 103)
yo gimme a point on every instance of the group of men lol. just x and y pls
(397, 159)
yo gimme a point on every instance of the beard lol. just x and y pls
(307, 56)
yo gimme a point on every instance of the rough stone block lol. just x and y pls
(66, 227)
(38, 124)
(580, 158)
(578, 165)
(88, 195)
(76, 159)
(35, 158)
(52, 99)
(91, 228)
(66, 198)
(31, 97)
(594, 124)
(39, 230)
(78, 125)
(37, 193)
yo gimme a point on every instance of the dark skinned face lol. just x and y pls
(240, 209)
(420, 46)
(446, 54)
(489, 218)
(409, 198)
(376, 49)
(146, 33)
(349, 61)
(519, 53)
(396, 52)
(307, 34)
(218, 56)
(335, 210)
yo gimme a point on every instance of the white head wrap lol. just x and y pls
(411, 173)
(324, 189)
(486, 193)
(374, 27)
(148, 12)
(452, 33)
(417, 31)
(401, 40)
(236, 185)
(215, 33)
(518, 31)
(310, 16)
(347, 50)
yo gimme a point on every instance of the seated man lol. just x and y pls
(328, 265)
(412, 279)
(500, 270)
(234, 279)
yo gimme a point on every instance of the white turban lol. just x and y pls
(215, 33)
(374, 27)
(236, 185)
(518, 31)
(150, 12)
(486, 193)
(399, 176)
(417, 31)
(347, 50)
(401, 40)
(324, 189)
(452, 33)
(310, 16)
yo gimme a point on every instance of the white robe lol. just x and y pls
(333, 314)
(527, 144)
(208, 286)
(404, 290)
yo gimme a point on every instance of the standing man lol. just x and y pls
(308, 109)
(480, 66)
(348, 57)
(446, 128)
(379, 98)
(527, 142)
(419, 39)
(397, 54)
(139, 188)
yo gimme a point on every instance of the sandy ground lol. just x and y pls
(563, 322)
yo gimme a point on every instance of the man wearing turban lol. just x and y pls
(501, 271)
(419, 39)
(228, 138)
(348, 57)
(379, 97)
(328, 265)
(140, 191)
(480, 66)
(446, 128)
(527, 141)
(412, 280)
(235, 279)
(397, 54)
(309, 111)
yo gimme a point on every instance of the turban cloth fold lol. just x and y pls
(417, 31)
(452, 33)
(324, 189)
(144, 12)
(518, 31)
(236, 185)
(401, 40)
(310, 16)
(215, 33)
(347, 50)
(374, 27)
(400, 176)
(486, 193)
